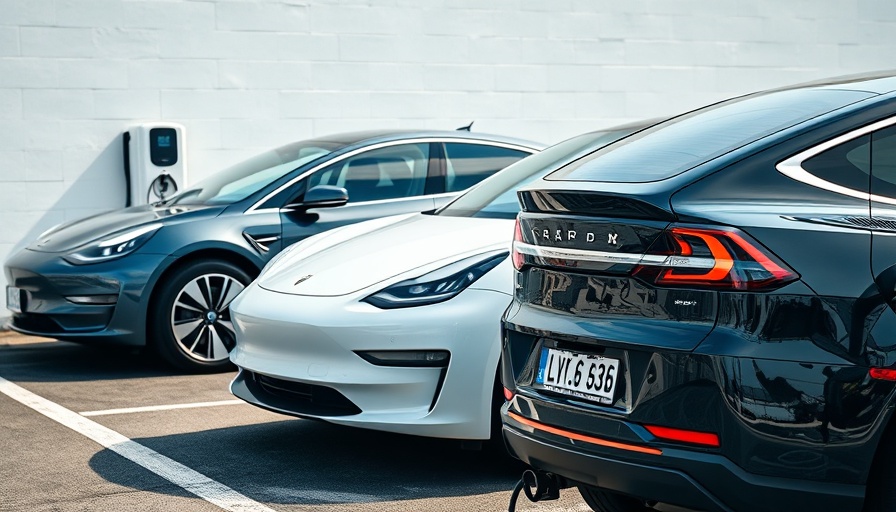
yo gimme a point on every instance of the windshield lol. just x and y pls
(246, 178)
(495, 197)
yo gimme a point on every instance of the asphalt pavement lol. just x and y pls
(102, 428)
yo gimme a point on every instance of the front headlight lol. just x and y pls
(438, 285)
(116, 246)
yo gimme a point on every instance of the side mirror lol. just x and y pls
(321, 196)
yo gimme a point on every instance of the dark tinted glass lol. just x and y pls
(468, 164)
(847, 164)
(386, 173)
(496, 197)
(883, 161)
(683, 143)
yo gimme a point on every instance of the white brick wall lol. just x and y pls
(243, 76)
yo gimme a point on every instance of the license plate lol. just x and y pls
(582, 375)
(14, 299)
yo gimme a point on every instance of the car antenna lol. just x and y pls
(466, 128)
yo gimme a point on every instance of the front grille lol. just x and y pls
(301, 398)
(36, 323)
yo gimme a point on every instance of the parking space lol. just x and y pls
(95, 428)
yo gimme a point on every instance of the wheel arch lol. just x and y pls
(208, 254)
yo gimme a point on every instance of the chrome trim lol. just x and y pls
(793, 167)
(254, 208)
(657, 260)
(581, 254)
(260, 244)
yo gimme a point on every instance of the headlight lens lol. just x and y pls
(116, 246)
(438, 285)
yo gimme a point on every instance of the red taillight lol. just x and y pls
(515, 255)
(882, 373)
(719, 258)
(684, 436)
(508, 394)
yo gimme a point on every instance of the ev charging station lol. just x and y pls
(154, 162)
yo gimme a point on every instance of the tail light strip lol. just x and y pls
(727, 259)
(654, 260)
(587, 439)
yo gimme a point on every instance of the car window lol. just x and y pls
(386, 173)
(847, 164)
(468, 164)
(496, 198)
(883, 158)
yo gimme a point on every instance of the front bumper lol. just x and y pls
(48, 283)
(309, 344)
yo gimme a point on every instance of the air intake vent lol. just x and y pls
(302, 398)
(875, 224)
(261, 243)
(862, 222)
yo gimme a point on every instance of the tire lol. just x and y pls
(601, 500)
(880, 494)
(189, 322)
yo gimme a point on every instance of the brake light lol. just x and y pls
(515, 255)
(684, 436)
(718, 258)
(882, 373)
(508, 394)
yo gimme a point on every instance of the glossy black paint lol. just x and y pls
(780, 375)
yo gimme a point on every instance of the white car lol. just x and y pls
(393, 324)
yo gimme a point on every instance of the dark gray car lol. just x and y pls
(163, 275)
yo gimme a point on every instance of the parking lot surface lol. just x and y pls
(99, 428)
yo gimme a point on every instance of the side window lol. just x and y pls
(385, 173)
(847, 164)
(468, 164)
(883, 162)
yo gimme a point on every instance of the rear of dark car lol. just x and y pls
(703, 311)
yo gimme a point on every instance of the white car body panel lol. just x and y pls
(408, 244)
(307, 333)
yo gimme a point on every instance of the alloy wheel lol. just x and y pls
(200, 317)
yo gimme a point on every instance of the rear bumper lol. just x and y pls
(677, 476)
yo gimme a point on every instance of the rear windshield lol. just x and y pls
(672, 148)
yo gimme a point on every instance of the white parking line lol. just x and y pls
(175, 472)
(150, 408)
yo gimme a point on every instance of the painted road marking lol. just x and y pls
(151, 408)
(175, 472)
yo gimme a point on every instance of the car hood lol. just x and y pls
(420, 243)
(75, 234)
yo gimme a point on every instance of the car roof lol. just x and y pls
(687, 142)
(374, 136)
(880, 82)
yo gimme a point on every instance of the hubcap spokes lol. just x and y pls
(200, 317)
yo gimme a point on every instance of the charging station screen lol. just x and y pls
(163, 146)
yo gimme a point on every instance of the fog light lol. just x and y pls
(93, 300)
(420, 358)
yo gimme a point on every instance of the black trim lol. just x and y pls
(126, 151)
(681, 477)
(437, 170)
